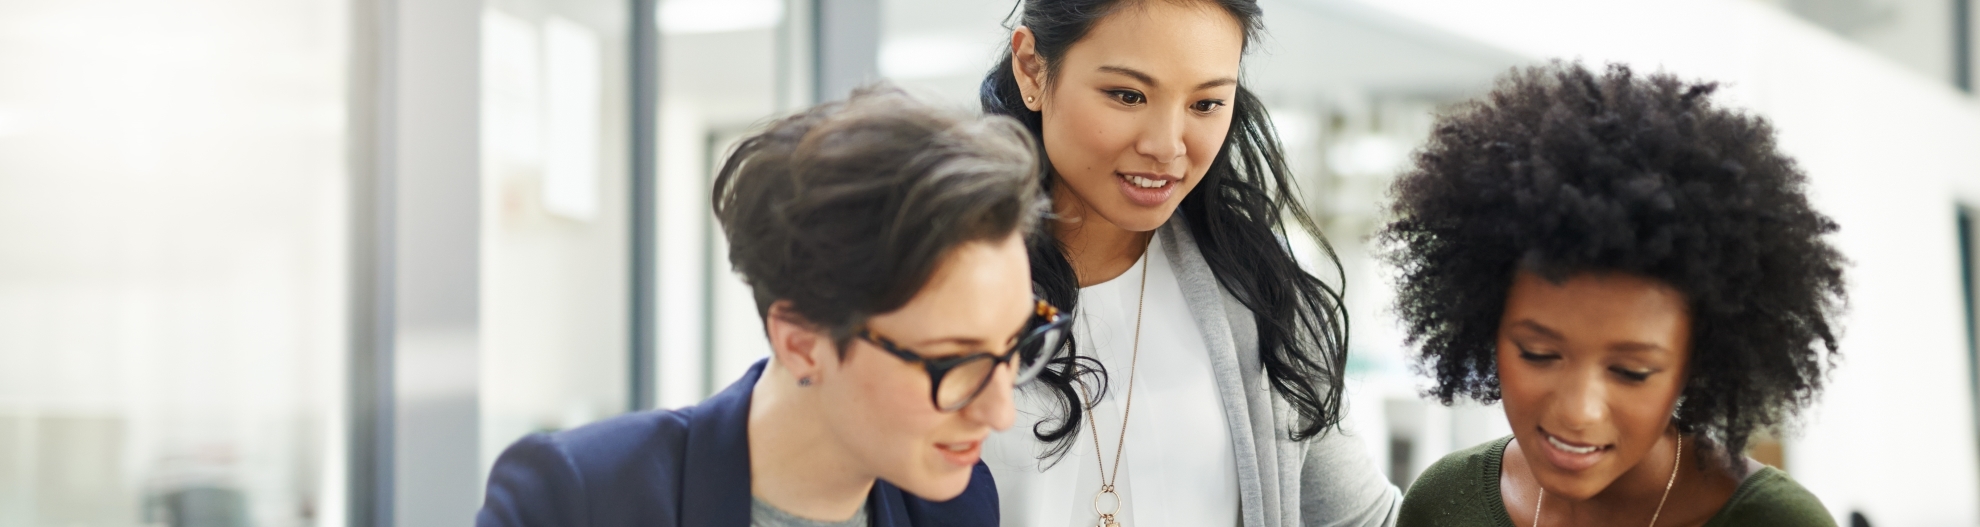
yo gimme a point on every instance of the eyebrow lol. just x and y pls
(1635, 347)
(1630, 346)
(1150, 80)
(965, 341)
(1542, 330)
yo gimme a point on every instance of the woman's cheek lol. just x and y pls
(1515, 383)
(1076, 139)
(1102, 138)
(1204, 144)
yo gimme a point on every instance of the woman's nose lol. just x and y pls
(994, 406)
(1581, 403)
(1162, 139)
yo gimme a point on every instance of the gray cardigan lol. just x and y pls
(1326, 480)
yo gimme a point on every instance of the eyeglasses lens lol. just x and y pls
(1037, 350)
(964, 382)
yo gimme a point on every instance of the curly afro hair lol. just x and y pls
(1560, 170)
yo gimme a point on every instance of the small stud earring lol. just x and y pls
(804, 381)
(1029, 99)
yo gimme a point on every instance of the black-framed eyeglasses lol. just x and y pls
(955, 381)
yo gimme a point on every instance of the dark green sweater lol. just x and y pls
(1463, 489)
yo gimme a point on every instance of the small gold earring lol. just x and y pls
(1029, 99)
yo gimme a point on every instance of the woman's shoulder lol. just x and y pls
(591, 474)
(1462, 488)
(1463, 469)
(1769, 497)
(661, 430)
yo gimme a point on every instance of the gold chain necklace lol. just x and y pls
(1108, 480)
(1660, 501)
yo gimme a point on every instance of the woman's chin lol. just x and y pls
(1575, 488)
(935, 487)
(1136, 218)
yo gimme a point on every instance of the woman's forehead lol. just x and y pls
(979, 292)
(1181, 44)
(1612, 311)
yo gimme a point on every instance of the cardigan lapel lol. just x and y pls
(1251, 436)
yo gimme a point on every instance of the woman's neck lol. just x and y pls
(1643, 485)
(1701, 487)
(1098, 249)
(795, 463)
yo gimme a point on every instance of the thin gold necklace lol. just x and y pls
(1108, 480)
(1660, 501)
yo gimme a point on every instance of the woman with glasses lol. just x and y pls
(884, 241)
(1205, 389)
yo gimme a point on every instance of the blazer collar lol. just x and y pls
(715, 469)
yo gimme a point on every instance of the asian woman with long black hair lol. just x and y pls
(1204, 382)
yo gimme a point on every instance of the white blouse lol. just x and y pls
(1180, 466)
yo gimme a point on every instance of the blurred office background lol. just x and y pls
(315, 262)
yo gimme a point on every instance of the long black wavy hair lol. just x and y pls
(1236, 215)
(1562, 169)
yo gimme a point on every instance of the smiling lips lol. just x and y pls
(1147, 189)
(1572, 456)
(962, 454)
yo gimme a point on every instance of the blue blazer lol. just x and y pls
(686, 467)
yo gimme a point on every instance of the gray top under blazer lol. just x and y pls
(1327, 480)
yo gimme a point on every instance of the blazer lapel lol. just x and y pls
(885, 506)
(715, 474)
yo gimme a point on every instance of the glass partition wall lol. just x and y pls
(725, 67)
(555, 176)
(172, 270)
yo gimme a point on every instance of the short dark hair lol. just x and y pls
(1560, 170)
(846, 208)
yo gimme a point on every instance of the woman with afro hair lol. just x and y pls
(1637, 275)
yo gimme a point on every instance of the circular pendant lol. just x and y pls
(1106, 503)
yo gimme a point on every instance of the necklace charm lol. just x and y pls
(1107, 480)
(1107, 508)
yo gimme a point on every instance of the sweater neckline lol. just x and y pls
(1494, 465)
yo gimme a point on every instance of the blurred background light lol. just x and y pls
(574, 65)
(719, 16)
(914, 57)
(1367, 156)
